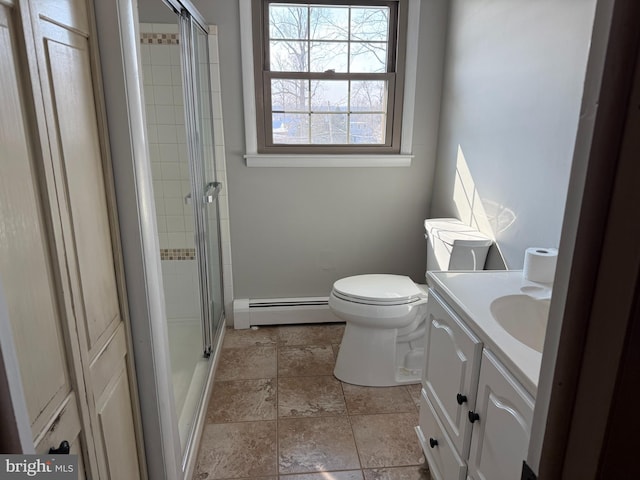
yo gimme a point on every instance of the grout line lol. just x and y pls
(353, 433)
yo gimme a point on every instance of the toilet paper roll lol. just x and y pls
(540, 264)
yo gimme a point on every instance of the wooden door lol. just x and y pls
(37, 309)
(58, 192)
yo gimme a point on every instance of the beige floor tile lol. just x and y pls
(310, 397)
(296, 335)
(387, 440)
(249, 337)
(398, 473)
(313, 433)
(247, 363)
(350, 475)
(234, 450)
(242, 401)
(305, 361)
(307, 445)
(416, 392)
(369, 400)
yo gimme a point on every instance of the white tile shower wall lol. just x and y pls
(162, 80)
(181, 290)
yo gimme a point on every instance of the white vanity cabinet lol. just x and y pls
(475, 417)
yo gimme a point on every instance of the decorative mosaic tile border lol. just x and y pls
(177, 254)
(160, 39)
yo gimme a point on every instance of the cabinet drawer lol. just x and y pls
(444, 462)
(452, 364)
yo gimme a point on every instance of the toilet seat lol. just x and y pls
(378, 290)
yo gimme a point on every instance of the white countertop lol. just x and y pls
(470, 294)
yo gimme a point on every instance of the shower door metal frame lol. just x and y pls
(180, 5)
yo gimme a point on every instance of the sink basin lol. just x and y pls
(523, 317)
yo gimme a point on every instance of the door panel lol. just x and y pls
(452, 365)
(26, 267)
(500, 438)
(102, 367)
(72, 95)
(67, 12)
(113, 405)
(199, 115)
(116, 428)
(64, 425)
(204, 125)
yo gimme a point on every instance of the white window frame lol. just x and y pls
(255, 159)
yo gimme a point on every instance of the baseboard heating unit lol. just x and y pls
(248, 312)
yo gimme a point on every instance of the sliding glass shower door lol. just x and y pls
(200, 198)
(205, 178)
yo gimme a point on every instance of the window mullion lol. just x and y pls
(349, 81)
(309, 109)
(309, 70)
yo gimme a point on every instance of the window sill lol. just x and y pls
(274, 160)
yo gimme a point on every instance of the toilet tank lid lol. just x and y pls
(379, 287)
(453, 232)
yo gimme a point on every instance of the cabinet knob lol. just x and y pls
(63, 449)
(461, 399)
(473, 416)
(433, 442)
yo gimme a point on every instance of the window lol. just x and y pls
(329, 75)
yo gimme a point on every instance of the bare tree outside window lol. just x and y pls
(329, 72)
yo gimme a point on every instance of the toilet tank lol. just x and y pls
(452, 245)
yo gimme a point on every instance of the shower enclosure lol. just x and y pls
(180, 123)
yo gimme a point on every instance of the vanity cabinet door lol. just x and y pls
(451, 373)
(501, 432)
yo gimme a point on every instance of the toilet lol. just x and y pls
(385, 315)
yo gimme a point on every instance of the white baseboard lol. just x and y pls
(281, 311)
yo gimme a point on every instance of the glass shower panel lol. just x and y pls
(205, 121)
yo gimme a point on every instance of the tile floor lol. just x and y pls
(277, 411)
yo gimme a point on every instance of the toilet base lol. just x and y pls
(373, 357)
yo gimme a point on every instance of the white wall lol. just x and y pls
(294, 230)
(511, 100)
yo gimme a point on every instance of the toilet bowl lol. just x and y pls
(382, 341)
(385, 315)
